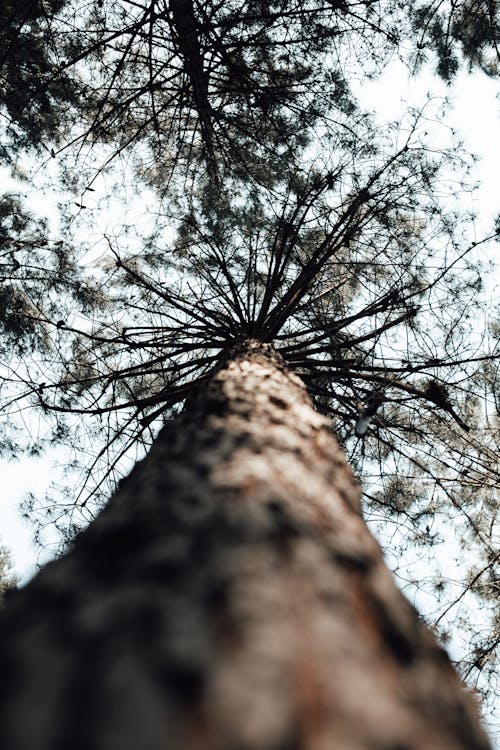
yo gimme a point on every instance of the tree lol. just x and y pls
(33, 98)
(341, 254)
(8, 579)
(230, 596)
(34, 106)
(236, 84)
(459, 29)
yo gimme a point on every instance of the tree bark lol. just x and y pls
(185, 24)
(230, 597)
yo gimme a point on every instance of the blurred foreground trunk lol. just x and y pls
(230, 597)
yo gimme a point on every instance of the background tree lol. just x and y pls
(33, 99)
(35, 266)
(7, 577)
(456, 30)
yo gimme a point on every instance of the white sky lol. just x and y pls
(19, 478)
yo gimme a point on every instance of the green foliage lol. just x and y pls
(468, 29)
(35, 271)
(33, 91)
(237, 85)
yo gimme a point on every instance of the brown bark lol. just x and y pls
(230, 597)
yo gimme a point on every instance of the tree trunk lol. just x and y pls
(230, 597)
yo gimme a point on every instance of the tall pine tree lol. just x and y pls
(231, 594)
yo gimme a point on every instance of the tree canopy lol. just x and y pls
(240, 190)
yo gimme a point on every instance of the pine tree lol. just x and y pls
(230, 594)
(459, 30)
(8, 579)
(35, 96)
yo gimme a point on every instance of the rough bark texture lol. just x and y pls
(229, 598)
